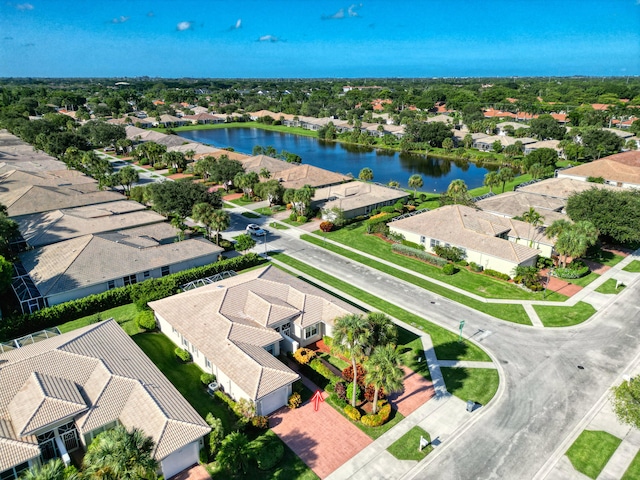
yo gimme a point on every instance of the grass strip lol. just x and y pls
(633, 472)
(445, 343)
(591, 451)
(609, 287)
(476, 384)
(633, 267)
(124, 315)
(552, 316)
(511, 312)
(407, 446)
(582, 281)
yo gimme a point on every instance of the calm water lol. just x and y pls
(387, 165)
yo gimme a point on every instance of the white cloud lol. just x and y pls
(182, 26)
(24, 6)
(120, 19)
(268, 38)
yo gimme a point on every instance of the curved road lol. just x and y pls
(544, 393)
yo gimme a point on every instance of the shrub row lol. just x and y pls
(451, 253)
(570, 272)
(412, 252)
(496, 274)
(475, 267)
(379, 418)
(140, 293)
(378, 224)
(417, 246)
(319, 366)
(352, 413)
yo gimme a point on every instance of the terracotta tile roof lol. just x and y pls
(621, 167)
(258, 162)
(471, 229)
(297, 176)
(118, 381)
(228, 323)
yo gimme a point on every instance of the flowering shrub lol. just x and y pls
(341, 390)
(326, 226)
(379, 418)
(347, 374)
(370, 391)
(304, 355)
(352, 413)
(260, 421)
(295, 400)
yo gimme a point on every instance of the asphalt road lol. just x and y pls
(544, 393)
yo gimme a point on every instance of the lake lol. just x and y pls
(387, 165)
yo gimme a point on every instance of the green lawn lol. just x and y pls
(407, 446)
(634, 267)
(278, 226)
(184, 376)
(124, 315)
(335, 361)
(477, 384)
(609, 287)
(552, 316)
(583, 281)
(445, 342)
(242, 201)
(633, 472)
(508, 186)
(262, 126)
(510, 312)
(355, 237)
(266, 211)
(604, 257)
(591, 451)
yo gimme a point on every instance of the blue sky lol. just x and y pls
(310, 38)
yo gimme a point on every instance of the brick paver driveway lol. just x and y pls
(417, 391)
(324, 440)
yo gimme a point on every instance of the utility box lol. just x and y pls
(470, 405)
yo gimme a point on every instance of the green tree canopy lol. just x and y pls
(178, 198)
(616, 214)
(366, 174)
(545, 127)
(383, 371)
(52, 470)
(599, 143)
(547, 157)
(626, 402)
(415, 182)
(351, 336)
(244, 242)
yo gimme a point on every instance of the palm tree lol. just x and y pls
(219, 220)
(491, 179)
(117, 454)
(366, 174)
(536, 170)
(534, 219)
(52, 470)
(302, 198)
(351, 336)
(458, 192)
(383, 330)
(505, 174)
(383, 371)
(233, 455)
(202, 213)
(415, 182)
(572, 240)
(265, 173)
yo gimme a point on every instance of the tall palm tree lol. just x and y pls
(52, 470)
(351, 336)
(534, 219)
(383, 330)
(556, 229)
(415, 182)
(302, 198)
(117, 454)
(573, 240)
(366, 174)
(265, 173)
(491, 179)
(458, 192)
(219, 220)
(383, 371)
(506, 175)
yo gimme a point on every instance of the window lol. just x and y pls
(146, 274)
(434, 242)
(269, 348)
(185, 342)
(311, 331)
(111, 284)
(14, 472)
(164, 271)
(422, 239)
(130, 279)
(207, 363)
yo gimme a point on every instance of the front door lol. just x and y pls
(69, 435)
(48, 447)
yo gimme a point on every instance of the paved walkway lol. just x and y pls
(197, 472)
(417, 391)
(323, 439)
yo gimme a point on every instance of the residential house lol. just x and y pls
(46, 228)
(494, 242)
(60, 392)
(204, 119)
(299, 175)
(235, 328)
(95, 263)
(562, 187)
(503, 128)
(486, 143)
(515, 204)
(621, 169)
(356, 198)
(552, 144)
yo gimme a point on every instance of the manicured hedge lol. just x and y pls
(412, 252)
(352, 413)
(152, 289)
(378, 224)
(496, 274)
(570, 272)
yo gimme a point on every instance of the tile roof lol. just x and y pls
(92, 259)
(514, 204)
(297, 176)
(229, 321)
(562, 187)
(40, 229)
(621, 167)
(356, 194)
(476, 230)
(100, 368)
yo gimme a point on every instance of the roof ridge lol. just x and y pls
(58, 277)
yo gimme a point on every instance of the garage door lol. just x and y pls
(180, 460)
(273, 401)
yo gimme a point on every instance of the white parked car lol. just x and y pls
(253, 229)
